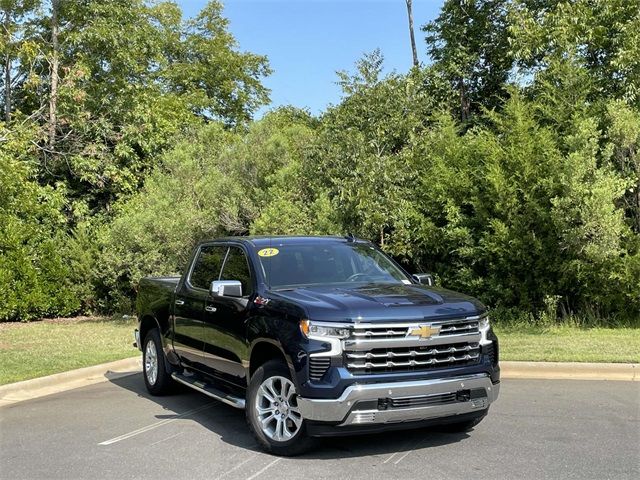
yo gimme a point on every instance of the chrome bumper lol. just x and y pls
(136, 336)
(426, 393)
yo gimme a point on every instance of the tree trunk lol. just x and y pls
(638, 208)
(53, 93)
(464, 101)
(7, 89)
(7, 71)
(411, 34)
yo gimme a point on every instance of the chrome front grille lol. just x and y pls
(375, 348)
(462, 327)
(374, 332)
(422, 401)
(389, 360)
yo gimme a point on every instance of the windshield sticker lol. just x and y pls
(268, 252)
(406, 282)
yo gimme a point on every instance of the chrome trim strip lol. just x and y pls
(336, 346)
(413, 353)
(357, 325)
(412, 323)
(412, 363)
(464, 326)
(340, 409)
(221, 396)
(411, 341)
(374, 333)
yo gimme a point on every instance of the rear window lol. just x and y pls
(207, 266)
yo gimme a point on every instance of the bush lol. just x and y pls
(35, 278)
(212, 183)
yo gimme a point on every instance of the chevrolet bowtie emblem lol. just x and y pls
(425, 331)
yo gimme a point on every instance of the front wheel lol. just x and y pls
(156, 378)
(272, 411)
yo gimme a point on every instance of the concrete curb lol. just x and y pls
(60, 382)
(571, 371)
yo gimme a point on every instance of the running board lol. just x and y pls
(209, 390)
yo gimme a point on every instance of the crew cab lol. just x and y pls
(317, 336)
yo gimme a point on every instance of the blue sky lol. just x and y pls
(307, 41)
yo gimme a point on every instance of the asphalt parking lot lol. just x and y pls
(537, 429)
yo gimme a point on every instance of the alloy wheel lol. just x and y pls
(277, 409)
(151, 362)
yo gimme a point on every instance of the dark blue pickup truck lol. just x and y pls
(317, 336)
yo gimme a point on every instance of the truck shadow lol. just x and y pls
(229, 426)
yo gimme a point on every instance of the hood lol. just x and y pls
(380, 302)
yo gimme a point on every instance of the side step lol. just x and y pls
(209, 390)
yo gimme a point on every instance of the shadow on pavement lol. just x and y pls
(230, 425)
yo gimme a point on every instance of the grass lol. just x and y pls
(569, 343)
(36, 349)
(30, 350)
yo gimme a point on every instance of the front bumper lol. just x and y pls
(136, 336)
(398, 402)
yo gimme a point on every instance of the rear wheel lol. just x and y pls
(156, 377)
(272, 411)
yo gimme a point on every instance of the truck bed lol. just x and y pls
(155, 294)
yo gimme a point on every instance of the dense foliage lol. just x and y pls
(509, 166)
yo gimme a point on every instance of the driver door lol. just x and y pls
(190, 303)
(225, 322)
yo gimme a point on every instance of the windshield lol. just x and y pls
(328, 264)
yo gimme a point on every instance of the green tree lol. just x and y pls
(469, 45)
(623, 135)
(360, 144)
(14, 49)
(601, 37)
(109, 103)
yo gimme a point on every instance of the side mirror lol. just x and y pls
(226, 288)
(424, 278)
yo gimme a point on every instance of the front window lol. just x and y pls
(237, 268)
(327, 264)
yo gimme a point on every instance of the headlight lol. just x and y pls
(310, 329)
(484, 326)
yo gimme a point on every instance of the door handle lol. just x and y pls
(179, 302)
(210, 309)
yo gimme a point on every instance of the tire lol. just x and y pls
(285, 436)
(156, 377)
(461, 427)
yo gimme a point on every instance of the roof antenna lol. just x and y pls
(350, 237)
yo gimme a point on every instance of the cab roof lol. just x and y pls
(268, 241)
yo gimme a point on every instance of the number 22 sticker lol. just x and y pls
(268, 252)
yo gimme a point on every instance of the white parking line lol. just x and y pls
(418, 446)
(168, 438)
(400, 452)
(391, 457)
(155, 425)
(263, 469)
(402, 457)
(237, 466)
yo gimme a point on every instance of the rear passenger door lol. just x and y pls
(190, 300)
(225, 323)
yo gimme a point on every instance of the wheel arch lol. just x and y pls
(147, 323)
(263, 350)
